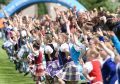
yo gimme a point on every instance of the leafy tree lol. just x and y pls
(4, 1)
(107, 4)
(42, 9)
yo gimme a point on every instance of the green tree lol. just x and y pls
(107, 4)
(42, 9)
(4, 1)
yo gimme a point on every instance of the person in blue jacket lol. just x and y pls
(115, 41)
(117, 60)
(108, 66)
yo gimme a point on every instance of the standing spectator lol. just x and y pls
(117, 60)
(109, 66)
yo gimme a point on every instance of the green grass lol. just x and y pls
(8, 74)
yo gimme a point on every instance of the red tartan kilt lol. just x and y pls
(40, 71)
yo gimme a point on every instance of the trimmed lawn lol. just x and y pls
(8, 74)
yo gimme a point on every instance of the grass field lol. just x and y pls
(8, 74)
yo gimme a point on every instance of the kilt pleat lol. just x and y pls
(40, 71)
(52, 68)
(70, 72)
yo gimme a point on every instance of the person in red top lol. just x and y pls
(92, 68)
(39, 65)
(39, 71)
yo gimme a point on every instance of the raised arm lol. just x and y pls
(115, 41)
(53, 32)
(110, 52)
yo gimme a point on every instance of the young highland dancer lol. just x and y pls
(51, 57)
(70, 71)
(39, 68)
(92, 68)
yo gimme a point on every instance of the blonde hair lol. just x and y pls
(49, 38)
(64, 36)
(108, 44)
(92, 53)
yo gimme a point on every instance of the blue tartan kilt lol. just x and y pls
(70, 72)
(52, 68)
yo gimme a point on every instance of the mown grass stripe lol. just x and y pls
(8, 74)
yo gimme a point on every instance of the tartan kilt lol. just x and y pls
(52, 68)
(40, 71)
(69, 72)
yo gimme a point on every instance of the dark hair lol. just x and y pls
(72, 25)
(24, 18)
(36, 45)
(6, 23)
(110, 24)
(33, 31)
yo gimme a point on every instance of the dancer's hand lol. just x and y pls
(92, 78)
